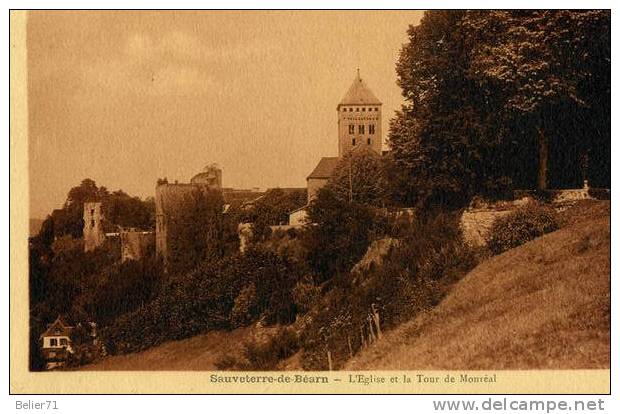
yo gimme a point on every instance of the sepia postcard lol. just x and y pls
(310, 202)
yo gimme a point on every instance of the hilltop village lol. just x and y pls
(359, 129)
(494, 185)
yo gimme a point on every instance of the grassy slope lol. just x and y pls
(197, 353)
(543, 305)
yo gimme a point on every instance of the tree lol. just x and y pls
(539, 61)
(273, 209)
(360, 177)
(341, 235)
(119, 209)
(442, 137)
(502, 99)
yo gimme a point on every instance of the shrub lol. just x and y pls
(262, 356)
(524, 224)
(265, 356)
(227, 362)
(245, 309)
(305, 294)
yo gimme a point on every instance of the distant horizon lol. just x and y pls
(127, 98)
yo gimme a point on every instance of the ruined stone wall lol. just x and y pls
(179, 205)
(135, 244)
(476, 224)
(93, 233)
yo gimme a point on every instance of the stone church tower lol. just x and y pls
(359, 119)
(359, 126)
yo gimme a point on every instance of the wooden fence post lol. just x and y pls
(377, 320)
(372, 333)
(329, 360)
(350, 347)
(363, 344)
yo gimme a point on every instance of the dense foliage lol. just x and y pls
(360, 177)
(341, 235)
(502, 99)
(273, 209)
(195, 230)
(413, 278)
(218, 294)
(84, 287)
(524, 224)
(119, 209)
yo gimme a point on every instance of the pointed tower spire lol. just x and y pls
(359, 119)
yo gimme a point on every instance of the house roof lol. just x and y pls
(359, 94)
(325, 168)
(58, 328)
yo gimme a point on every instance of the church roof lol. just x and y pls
(359, 94)
(325, 168)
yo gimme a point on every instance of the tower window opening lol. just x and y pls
(368, 141)
(371, 129)
(353, 142)
(351, 129)
(357, 109)
(361, 129)
(363, 109)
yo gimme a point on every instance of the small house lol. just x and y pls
(56, 344)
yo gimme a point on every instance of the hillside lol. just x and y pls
(543, 305)
(198, 353)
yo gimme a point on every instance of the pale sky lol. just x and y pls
(125, 98)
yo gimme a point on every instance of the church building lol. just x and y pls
(359, 126)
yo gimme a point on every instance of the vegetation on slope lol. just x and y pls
(543, 305)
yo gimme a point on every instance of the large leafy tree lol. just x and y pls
(119, 209)
(545, 64)
(441, 137)
(500, 99)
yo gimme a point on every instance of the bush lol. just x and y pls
(521, 226)
(245, 309)
(265, 356)
(262, 356)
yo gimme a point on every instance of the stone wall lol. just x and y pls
(357, 115)
(314, 184)
(476, 224)
(135, 244)
(181, 204)
(477, 220)
(93, 233)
